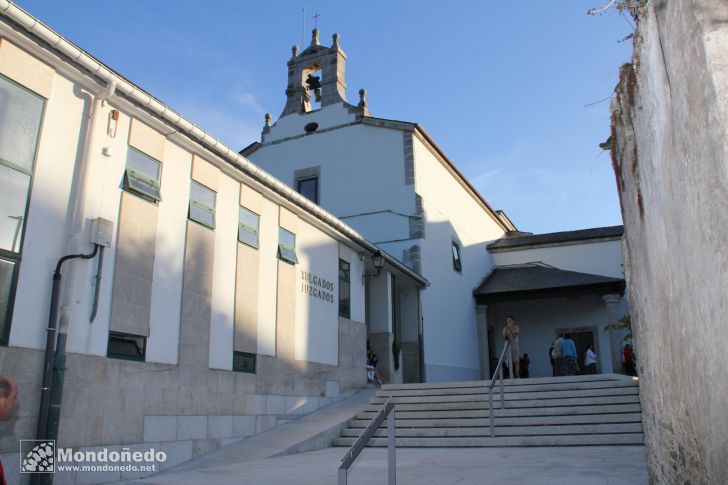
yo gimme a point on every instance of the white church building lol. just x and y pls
(394, 184)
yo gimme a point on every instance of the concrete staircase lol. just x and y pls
(561, 411)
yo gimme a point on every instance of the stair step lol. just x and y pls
(515, 421)
(535, 403)
(483, 431)
(567, 440)
(513, 396)
(511, 382)
(482, 412)
(567, 386)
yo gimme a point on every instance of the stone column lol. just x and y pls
(481, 322)
(615, 335)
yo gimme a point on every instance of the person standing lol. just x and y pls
(556, 354)
(8, 404)
(510, 334)
(568, 357)
(590, 360)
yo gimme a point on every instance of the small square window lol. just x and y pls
(287, 246)
(126, 346)
(457, 264)
(244, 362)
(202, 205)
(141, 176)
(248, 227)
(309, 188)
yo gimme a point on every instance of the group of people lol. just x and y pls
(563, 357)
(562, 354)
(372, 371)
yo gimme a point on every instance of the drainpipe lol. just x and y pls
(56, 352)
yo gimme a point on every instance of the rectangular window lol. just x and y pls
(248, 227)
(126, 346)
(344, 289)
(309, 188)
(21, 114)
(141, 176)
(202, 205)
(457, 264)
(287, 246)
(244, 362)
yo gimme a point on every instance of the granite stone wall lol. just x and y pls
(670, 153)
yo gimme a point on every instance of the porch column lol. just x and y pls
(481, 322)
(615, 335)
(380, 324)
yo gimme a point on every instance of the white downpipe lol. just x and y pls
(75, 304)
(81, 58)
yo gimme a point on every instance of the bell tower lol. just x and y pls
(303, 85)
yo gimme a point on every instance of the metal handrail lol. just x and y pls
(387, 412)
(498, 373)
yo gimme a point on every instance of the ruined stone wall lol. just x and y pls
(670, 155)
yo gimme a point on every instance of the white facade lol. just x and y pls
(215, 327)
(388, 180)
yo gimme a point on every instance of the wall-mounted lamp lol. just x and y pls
(378, 262)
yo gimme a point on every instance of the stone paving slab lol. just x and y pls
(594, 465)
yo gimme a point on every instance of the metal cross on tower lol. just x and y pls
(315, 20)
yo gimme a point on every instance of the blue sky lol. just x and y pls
(503, 87)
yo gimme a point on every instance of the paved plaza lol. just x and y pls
(599, 465)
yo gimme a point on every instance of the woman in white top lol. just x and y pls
(590, 360)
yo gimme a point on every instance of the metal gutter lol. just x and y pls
(35, 27)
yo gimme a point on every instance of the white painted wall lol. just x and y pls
(326, 117)
(362, 170)
(448, 307)
(358, 302)
(317, 321)
(380, 303)
(222, 320)
(169, 252)
(603, 258)
(268, 278)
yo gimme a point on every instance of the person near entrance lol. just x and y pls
(555, 354)
(569, 367)
(510, 334)
(590, 360)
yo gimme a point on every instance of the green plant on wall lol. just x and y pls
(624, 323)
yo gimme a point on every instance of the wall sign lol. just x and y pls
(317, 287)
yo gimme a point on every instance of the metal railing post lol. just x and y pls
(498, 373)
(387, 412)
(501, 388)
(391, 448)
(490, 407)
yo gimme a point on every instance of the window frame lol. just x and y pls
(113, 355)
(12, 256)
(202, 206)
(250, 230)
(133, 174)
(317, 179)
(457, 256)
(283, 248)
(246, 355)
(346, 314)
